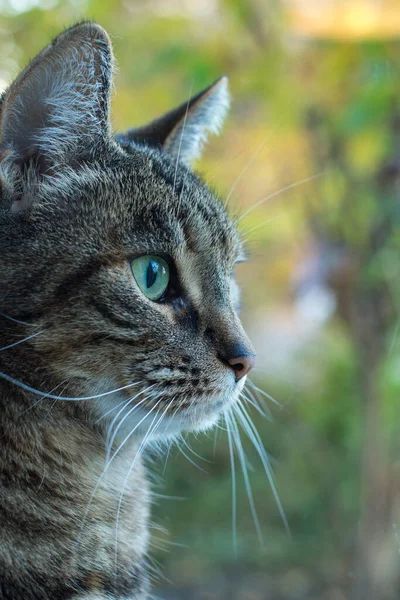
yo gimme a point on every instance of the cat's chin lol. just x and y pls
(197, 420)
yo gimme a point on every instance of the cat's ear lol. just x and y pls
(182, 132)
(57, 110)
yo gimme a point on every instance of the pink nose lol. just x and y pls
(242, 365)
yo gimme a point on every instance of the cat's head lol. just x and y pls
(118, 254)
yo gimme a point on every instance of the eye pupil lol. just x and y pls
(151, 273)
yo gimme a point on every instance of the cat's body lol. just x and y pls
(112, 369)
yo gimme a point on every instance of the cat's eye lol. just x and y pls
(152, 275)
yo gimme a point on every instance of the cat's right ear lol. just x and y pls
(181, 133)
(57, 110)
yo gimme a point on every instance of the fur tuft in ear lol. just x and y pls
(183, 131)
(57, 110)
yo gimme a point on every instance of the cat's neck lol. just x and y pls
(45, 445)
(56, 469)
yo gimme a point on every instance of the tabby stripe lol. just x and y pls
(71, 282)
(97, 338)
(105, 311)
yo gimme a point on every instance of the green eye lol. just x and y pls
(151, 274)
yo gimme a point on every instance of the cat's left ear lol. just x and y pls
(182, 132)
(57, 110)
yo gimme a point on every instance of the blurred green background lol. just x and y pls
(316, 97)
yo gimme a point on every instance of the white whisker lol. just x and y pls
(138, 453)
(18, 321)
(254, 437)
(185, 443)
(247, 166)
(167, 457)
(28, 388)
(243, 463)
(136, 426)
(190, 459)
(124, 402)
(245, 234)
(274, 194)
(233, 475)
(111, 437)
(107, 465)
(215, 441)
(20, 341)
(263, 393)
(39, 400)
(181, 139)
(249, 398)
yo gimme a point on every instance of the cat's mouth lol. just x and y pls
(156, 416)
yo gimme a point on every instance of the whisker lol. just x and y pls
(159, 395)
(101, 477)
(54, 401)
(254, 437)
(138, 453)
(251, 400)
(233, 475)
(220, 427)
(247, 166)
(167, 457)
(215, 441)
(181, 138)
(259, 400)
(274, 194)
(110, 439)
(155, 573)
(234, 157)
(17, 320)
(243, 463)
(263, 393)
(103, 416)
(190, 459)
(28, 388)
(39, 400)
(180, 196)
(245, 234)
(209, 179)
(21, 341)
(185, 443)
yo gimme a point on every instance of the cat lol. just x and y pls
(118, 318)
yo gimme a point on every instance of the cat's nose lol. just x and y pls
(242, 364)
(232, 344)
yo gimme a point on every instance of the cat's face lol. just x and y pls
(119, 254)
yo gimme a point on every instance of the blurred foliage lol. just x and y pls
(313, 97)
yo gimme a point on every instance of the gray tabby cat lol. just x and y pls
(118, 322)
